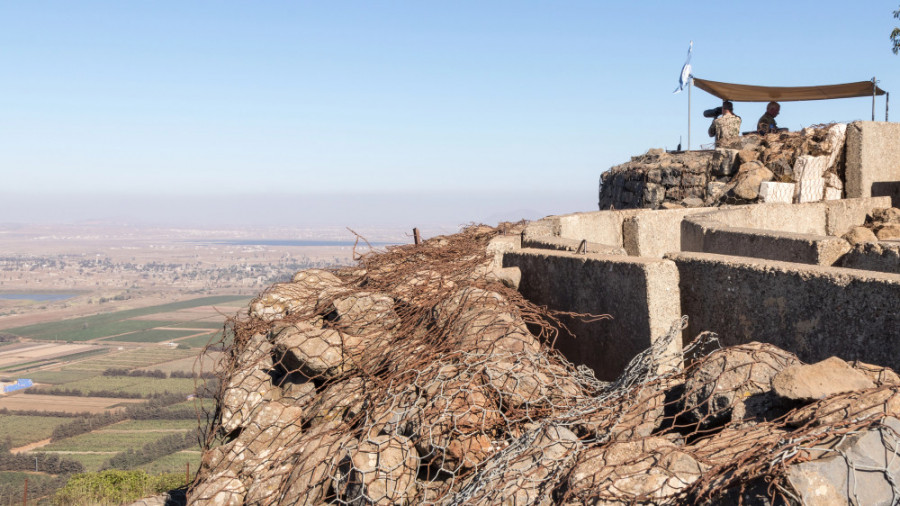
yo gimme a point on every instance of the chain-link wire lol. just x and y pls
(417, 377)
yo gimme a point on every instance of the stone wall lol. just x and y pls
(640, 294)
(809, 163)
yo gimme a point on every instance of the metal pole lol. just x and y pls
(887, 101)
(416, 238)
(25, 496)
(690, 82)
(874, 88)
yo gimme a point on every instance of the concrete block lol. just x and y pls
(873, 160)
(772, 192)
(832, 193)
(640, 294)
(813, 311)
(842, 215)
(811, 190)
(810, 167)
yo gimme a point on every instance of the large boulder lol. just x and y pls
(529, 475)
(314, 352)
(378, 470)
(627, 472)
(856, 468)
(817, 381)
(298, 296)
(750, 176)
(734, 383)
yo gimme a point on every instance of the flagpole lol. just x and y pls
(690, 83)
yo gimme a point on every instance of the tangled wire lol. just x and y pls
(418, 377)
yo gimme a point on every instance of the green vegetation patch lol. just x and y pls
(115, 487)
(108, 324)
(133, 385)
(60, 377)
(175, 462)
(106, 441)
(152, 336)
(21, 429)
(153, 425)
(90, 461)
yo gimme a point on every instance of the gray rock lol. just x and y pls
(723, 162)
(692, 202)
(654, 194)
(694, 179)
(856, 468)
(817, 381)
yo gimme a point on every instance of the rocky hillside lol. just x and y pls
(419, 377)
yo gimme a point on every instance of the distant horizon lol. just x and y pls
(396, 210)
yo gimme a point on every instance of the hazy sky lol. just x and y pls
(405, 111)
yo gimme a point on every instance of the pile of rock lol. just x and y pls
(784, 167)
(420, 378)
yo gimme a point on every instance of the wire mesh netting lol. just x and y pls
(417, 377)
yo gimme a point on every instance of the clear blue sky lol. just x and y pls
(520, 103)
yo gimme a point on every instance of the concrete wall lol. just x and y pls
(706, 235)
(873, 160)
(640, 294)
(815, 312)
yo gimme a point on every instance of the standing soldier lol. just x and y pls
(727, 127)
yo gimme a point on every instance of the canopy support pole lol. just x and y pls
(887, 101)
(690, 83)
(874, 89)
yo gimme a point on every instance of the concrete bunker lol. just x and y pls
(775, 273)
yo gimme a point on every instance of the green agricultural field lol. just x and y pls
(188, 364)
(12, 484)
(174, 463)
(109, 324)
(201, 341)
(135, 359)
(60, 377)
(153, 425)
(199, 324)
(22, 430)
(106, 441)
(156, 335)
(137, 385)
(90, 461)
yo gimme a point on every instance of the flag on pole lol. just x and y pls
(686, 75)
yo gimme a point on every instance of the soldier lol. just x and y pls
(727, 127)
(766, 123)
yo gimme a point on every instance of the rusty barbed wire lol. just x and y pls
(418, 377)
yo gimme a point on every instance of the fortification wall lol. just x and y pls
(640, 294)
(775, 258)
(812, 311)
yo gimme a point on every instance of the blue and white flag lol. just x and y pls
(686, 76)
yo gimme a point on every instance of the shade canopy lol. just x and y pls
(749, 93)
